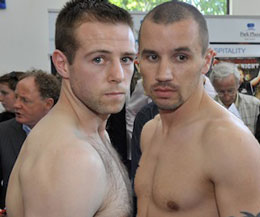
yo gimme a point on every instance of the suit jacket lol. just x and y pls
(4, 116)
(12, 137)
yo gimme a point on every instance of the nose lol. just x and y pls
(17, 104)
(116, 72)
(164, 71)
(226, 98)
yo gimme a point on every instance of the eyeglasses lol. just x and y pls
(230, 92)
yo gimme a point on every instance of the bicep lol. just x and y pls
(237, 180)
(147, 133)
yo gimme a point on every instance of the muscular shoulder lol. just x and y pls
(75, 174)
(228, 143)
(81, 157)
(226, 129)
(231, 159)
(148, 131)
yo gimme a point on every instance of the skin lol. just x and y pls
(227, 87)
(108, 97)
(165, 93)
(29, 106)
(190, 166)
(68, 167)
(7, 97)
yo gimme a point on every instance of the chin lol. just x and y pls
(168, 106)
(109, 110)
(116, 109)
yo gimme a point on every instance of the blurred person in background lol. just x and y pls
(7, 96)
(36, 93)
(225, 78)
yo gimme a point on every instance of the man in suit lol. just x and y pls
(225, 79)
(36, 93)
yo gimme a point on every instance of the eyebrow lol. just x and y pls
(98, 51)
(109, 52)
(180, 49)
(186, 49)
(130, 53)
(146, 51)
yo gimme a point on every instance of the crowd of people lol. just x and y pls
(192, 140)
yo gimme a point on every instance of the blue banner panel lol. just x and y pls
(2, 4)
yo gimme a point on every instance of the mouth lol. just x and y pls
(165, 89)
(164, 92)
(18, 114)
(115, 95)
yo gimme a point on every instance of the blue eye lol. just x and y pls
(98, 60)
(128, 60)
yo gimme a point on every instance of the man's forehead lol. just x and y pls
(27, 84)
(179, 31)
(91, 33)
(4, 85)
(27, 80)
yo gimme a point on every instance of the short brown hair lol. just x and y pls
(11, 79)
(48, 85)
(175, 11)
(75, 12)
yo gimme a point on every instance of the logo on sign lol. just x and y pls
(250, 34)
(250, 26)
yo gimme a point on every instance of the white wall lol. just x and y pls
(245, 7)
(24, 34)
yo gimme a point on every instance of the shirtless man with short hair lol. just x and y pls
(198, 160)
(67, 166)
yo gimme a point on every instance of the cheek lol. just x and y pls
(143, 72)
(36, 110)
(8, 98)
(11, 97)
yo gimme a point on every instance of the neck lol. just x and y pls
(186, 113)
(84, 118)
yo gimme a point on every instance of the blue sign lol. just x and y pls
(251, 26)
(2, 4)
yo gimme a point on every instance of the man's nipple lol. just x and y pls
(172, 206)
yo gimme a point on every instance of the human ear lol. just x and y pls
(61, 63)
(208, 60)
(49, 102)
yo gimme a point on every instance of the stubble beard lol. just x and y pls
(94, 102)
(101, 107)
(169, 106)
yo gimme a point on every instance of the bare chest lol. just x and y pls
(118, 201)
(172, 175)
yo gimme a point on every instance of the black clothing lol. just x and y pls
(12, 137)
(4, 116)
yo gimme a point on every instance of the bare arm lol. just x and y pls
(75, 186)
(255, 80)
(235, 172)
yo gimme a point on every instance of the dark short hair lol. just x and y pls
(11, 79)
(175, 11)
(48, 85)
(75, 12)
